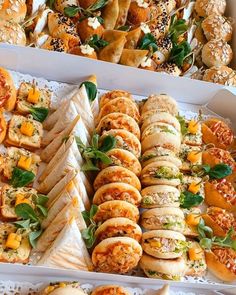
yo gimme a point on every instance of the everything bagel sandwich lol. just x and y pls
(165, 244)
(118, 227)
(116, 255)
(160, 172)
(112, 209)
(116, 174)
(117, 191)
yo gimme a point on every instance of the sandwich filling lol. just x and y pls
(226, 189)
(127, 230)
(159, 275)
(111, 291)
(5, 90)
(166, 245)
(163, 173)
(160, 198)
(158, 152)
(222, 218)
(159, 128)
(118, 257)
(223, 156)
(115, 210)
(223, 133)
(171, 222)
(227, 257)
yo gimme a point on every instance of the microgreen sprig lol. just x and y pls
(88, 233)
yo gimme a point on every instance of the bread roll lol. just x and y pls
(221, 75)
(13, 10)
(217, 53)
(8, 91)
(216, 26)
(12, 33)
(207, 7)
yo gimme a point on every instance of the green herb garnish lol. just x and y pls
(88, 233)
(39, 114)
(189, 200)
(183, 125)
(124, 28)
(71, 11)
(97, 42)
(21, 177)
(148, 42)
(219, 171)
(91, 90)
(180, 52)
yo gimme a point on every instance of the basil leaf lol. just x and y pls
(204, 230)
(100, 19)
(206, 243)
(89, 166)
(148, 42)
(97, 43)
(86, 216)
(39, 114)
(88, 235)
(189, 200)
(179, 52)
(95, 140)
(43, 210)
(206, 168)
(51, 3)
(108, 144)
(124, 28)
(220, 171)
(33, 236)
(71, 11)
(41, 199)
(21, 177)
(183, 125)
(93, 211)
(227, 241)
(177, 28)
(91, 90)
(103, 157)
(25, 211)
(97, 5)
(23, 223)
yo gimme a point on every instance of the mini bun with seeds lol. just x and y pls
(217, 53)
(14, 10)
(221, 75)
(207, 7)
(12, 33)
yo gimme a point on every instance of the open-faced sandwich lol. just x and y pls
(190, 156)
(24, 132)
(193, 134)
(116, 255)
(196, 263)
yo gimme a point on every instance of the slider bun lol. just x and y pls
(117, 191)
(213, 197)
(216, 26)
(11, 32)
(118, 227)
(124, 159)
(118, 121)
(221, 75)
(125, 140)
(207, 7)
(148, 177)
(116, 174)
(162, 103)
(216, 53)
(110, 289)
(218, 268)
(122, 105)
(163, 266)
(169, 68)
(116, 255)
(8, 90)
(160, 154)
(163, 117)
(157, 196)
(113, 209)
(165, 140)
(159, 127)
(13, 10)
(156, 251)
(109, 96)
(209, 137)
(67, 291)
(149, 216)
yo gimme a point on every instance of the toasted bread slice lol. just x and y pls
(29, 136)
(20, 158)
(11, 196)
(19, 255)
(30, 96)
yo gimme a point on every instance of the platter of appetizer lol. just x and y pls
(177, 37)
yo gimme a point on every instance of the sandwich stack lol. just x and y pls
(117, 186)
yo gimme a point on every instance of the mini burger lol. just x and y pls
(164, 244)
(222, 263)
(118, 227)
(161, 102)
(117, 191)
(161, 172)
(152, 117)
(219, 220)
(196, 263)
(167, 269)
(63, 288)
(110, 289)
(123, 158)
(218, 133)
(112, 209)
(159, 154)
(118, 121)
(116, 174)
(163, 218)
(220, 193)
(160, 196)
(116, 255)
(125, 140)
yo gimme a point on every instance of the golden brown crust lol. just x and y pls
(137, 14)
(110, 289)
(7, 90)
(85, 31)
(108, 96)
(77, 51)
(3, 127)
(13, 10)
